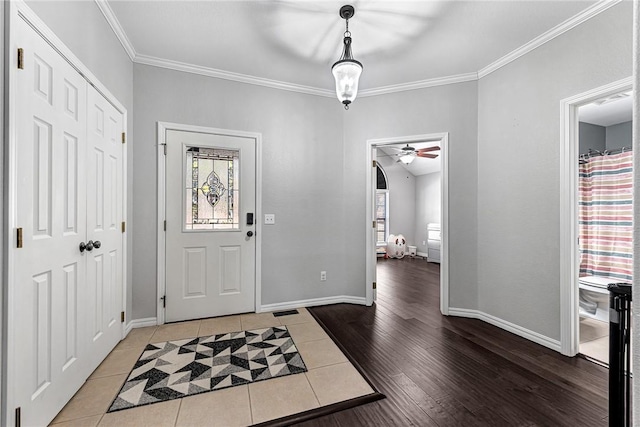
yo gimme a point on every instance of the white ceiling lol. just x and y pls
(296, 42)
(607, 112)
(388, 158)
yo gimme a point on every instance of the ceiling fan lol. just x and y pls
(408, 153)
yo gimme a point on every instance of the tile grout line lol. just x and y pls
(175, 423)
(313, 390)
(250, 405)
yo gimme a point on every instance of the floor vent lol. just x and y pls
(285, 313)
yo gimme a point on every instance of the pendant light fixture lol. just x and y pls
(347, 70)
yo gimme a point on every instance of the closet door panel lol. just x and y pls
(47, 297)
(104, 215)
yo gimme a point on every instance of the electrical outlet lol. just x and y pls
(424, 243)
(323, 276)
(270, 219)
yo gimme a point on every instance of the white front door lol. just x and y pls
(54, 178)
(210, 204)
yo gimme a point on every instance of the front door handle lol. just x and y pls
(249, 233)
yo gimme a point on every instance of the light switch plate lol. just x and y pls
(269, 219)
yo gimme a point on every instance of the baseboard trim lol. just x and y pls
(140, 323)
(313, 302)
(507, 326)
(422, 254)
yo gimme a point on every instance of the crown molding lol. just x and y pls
(439, 81)
(227, 75)
(106, 10)
(556, 31)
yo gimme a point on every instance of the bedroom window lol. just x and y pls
(382, 207)
(382, 216)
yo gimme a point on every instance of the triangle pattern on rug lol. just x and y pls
(174, 369)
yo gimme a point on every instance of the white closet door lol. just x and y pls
(48, 296)
(64, 303)
(104, 217)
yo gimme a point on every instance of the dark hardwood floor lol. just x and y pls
(446, 371)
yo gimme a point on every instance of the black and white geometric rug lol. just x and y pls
(175, 369)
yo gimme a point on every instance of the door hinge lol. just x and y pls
(164, 301)
(164, 147)
(374, 224)
(123, 227)
(18, 416)
(19, 238)
(124, 138)
(122, 316)
(374, 285)
(374, 164)
(20, 59)
(165, 225)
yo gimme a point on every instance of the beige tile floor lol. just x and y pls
(594, 339)
(330, 378)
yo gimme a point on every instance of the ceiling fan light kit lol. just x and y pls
(408, 154)
(347, 70)
(407, 158)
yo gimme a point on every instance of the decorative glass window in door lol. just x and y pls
(212, 189)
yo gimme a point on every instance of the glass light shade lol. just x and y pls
(407, 158)
(347, 74)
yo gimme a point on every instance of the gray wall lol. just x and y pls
(592, 137)
(428, 195)
(518, 165)
(302, 182)
(402, 202)
(84, 30)
(450, 108)
(618, 136)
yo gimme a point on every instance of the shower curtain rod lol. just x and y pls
(595, 153)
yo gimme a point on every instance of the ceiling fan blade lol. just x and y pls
(427, 155)
(425, 150)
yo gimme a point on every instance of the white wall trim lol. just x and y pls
(228, 75)
(113, 22)
(289, 305)
(163, 127)
(569, 261)
(543, 38)
(422, 254)
(421, 84)
(507, 326)
(370, 252)
(141, 323)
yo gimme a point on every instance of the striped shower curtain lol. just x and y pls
(606, 216)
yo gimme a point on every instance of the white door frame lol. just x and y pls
(163, 127)
(19, 10)
(569, 261)
(372, 144)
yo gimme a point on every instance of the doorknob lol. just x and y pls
(97, 244)
(87, 246)
(249, 233)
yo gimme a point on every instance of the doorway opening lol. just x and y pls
(605, 214)
(596, 213)
(407, 202)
